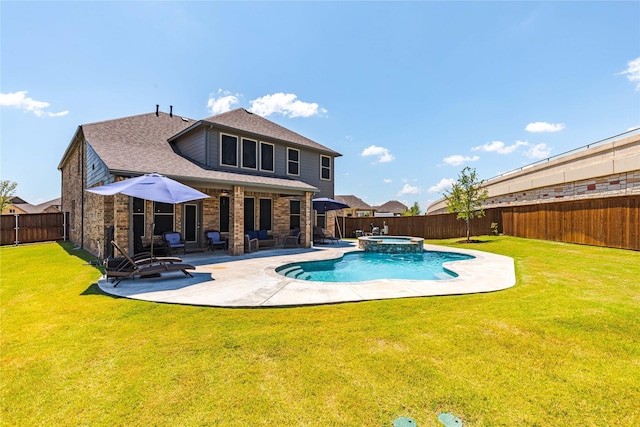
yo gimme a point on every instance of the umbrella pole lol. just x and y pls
(338, 224)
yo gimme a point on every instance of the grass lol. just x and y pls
(561, 347)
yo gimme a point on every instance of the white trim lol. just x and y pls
(273, 157)
(325, 167)
(242, 166)
(220, 150)
(287, 161)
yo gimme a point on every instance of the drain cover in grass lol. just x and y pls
(404, 422)
(449, 420)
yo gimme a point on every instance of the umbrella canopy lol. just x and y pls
(324, 204)
(152, 186)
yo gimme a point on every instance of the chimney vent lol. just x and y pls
(170, 110)
(157, 109)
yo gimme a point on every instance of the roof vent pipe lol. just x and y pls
(170, 110)
(157, 109)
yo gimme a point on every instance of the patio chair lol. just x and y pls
(250, 245)
(328, 236)
(147, 267)
(292, 240)
(173, 240)
(213, 237)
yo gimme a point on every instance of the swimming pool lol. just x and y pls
(364, 266)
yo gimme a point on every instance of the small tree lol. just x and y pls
(7, 191)
(466, 197)
(413, 210)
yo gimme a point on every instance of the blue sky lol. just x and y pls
(409, 92)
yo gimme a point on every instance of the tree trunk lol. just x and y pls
(468, 232)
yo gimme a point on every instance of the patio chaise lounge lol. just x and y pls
(130, 267)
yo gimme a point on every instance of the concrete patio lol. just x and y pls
(250, 280)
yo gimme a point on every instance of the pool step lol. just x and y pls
(290, 271)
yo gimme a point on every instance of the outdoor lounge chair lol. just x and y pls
(173, 240)
(250, 245)
(328, 236)
(131, 267)
(292, 240)
(213, 237)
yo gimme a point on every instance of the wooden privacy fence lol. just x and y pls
(29, 228)
(440, 226)
(610, 222)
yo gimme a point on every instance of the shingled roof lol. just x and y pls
(392, 206)
(353, 202)
(139, 144)
(247, 122)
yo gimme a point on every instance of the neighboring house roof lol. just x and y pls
(245, 121)
(139, 144)
(49, 206)
(392, 206)
(353, 202)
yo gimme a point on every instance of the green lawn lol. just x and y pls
(562, 347)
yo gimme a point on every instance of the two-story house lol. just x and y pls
(258, 174)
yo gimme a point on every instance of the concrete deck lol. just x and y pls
(251, 280)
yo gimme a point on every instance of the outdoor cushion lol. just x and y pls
(253, 234)
(263, 235)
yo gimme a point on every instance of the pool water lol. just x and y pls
(364, 266)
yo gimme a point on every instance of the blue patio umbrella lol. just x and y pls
(325, 204)
(152, 186)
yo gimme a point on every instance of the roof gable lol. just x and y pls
(243, 120)
(353, 202)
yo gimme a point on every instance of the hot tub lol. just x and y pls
(391, 244)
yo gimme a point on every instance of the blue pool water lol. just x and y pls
(363, 266)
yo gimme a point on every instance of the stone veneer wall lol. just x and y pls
(624, 184)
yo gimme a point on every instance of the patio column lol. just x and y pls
(236, 221)
(305, 220)
(121, 216)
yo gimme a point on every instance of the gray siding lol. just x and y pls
(309, 162)
(193, 146)
(97, 171)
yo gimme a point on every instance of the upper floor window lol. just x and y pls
(249, 154)
(228, 150)
(293, 161)
(266, 157)
(325, 167)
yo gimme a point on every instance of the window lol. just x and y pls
(321, 220)
(325, 167)
(294, 214)
(224, 214)
(162, 217)
(249, 214)
(266, 157)
(293, 161)
(139, 227)
(249, 154)
(265, 214)
(228, 150)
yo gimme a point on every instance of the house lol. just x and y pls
(357, 207)
(391, 208)
(258, 174)
(19, 206)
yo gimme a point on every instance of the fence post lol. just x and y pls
(16, 241)
(64, 226)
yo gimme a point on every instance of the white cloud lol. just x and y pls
(537, 127)
(499, 147)
(222, 102)
(538, 151)
(633, 72)
(408, 189)
(387, 181)
(286, 104)
(443, 185)
(383, 153)
(457, 160)
(21, 101)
